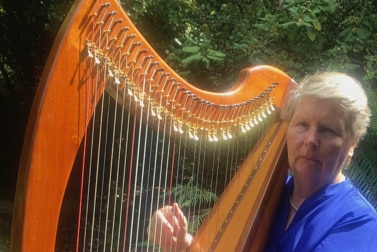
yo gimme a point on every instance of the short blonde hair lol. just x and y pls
(340, 88)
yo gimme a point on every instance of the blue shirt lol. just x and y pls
(337, 218)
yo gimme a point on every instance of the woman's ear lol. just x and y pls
(351, 151)
(352, 148)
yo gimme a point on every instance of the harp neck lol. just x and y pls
(126, 60)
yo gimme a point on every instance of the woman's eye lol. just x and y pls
(302, 124)
(330, 131)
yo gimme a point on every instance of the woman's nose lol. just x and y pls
(312, 138)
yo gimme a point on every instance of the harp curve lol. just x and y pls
(67, 96)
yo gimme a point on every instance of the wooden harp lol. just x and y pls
(109, 105)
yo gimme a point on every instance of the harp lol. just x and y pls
(111, 122)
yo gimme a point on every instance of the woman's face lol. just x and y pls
(318, 142)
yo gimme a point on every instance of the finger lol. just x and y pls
(167, 233)
(159, 226)
(183, 239)
(164, 222)
(169, 214)
(174, 220)
(182, 221)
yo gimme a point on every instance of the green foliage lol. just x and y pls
(221, 30)
(195, 56)
(372, 96)
(298, 36)
(309, 15)
(195, 221)
(191, 197)
(363, 171)
(28, 29)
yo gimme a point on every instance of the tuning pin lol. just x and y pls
(117, 81)
(96, 60)
(272, 106)
(190, 135)
(243, 129)
(229, 135)
(141, 103)
(153, 112)
(196, 137)
(225, 136)
(130, 93)
(90, 54)
(180, 130)
(175, 127)
(210, 138)
(111, 73)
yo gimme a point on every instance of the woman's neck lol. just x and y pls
(303, 189)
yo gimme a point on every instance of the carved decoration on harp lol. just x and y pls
(100, 59)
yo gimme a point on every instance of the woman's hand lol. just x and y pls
(168, 229)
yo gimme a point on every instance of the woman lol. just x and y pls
(320, 209)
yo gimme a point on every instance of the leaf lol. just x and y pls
(311, 33)
(308, 19)
(215, 55)
(294, 11)
(350, 66)
(206, 62)
(285, 25)
(345, 32)
(192, 195)
(191, 49)
(317, 25)
(215, 58)
(191, 59)
(190, 40)
(363, 33)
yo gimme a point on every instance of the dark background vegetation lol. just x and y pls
(208, 42)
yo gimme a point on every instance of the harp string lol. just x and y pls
(107, 76)
(91, 224)
(198, 167)
(145, 199)
(112, 158)
(93, 91)
(119, 179)
(85, 139)
(124, 195)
